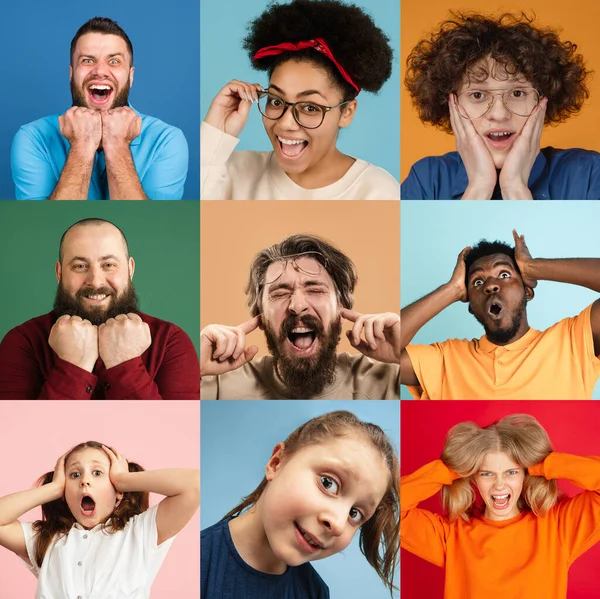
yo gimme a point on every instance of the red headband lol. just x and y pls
(318, 44)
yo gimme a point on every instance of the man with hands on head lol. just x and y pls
(512, 360)
(498, 81)
(96, 344)
(298, 292)
(100, 148)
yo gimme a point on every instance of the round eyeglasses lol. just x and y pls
(476, 103)
(307, 114)
(309, 263)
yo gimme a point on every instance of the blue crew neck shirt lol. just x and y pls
(225, 575)
(556, 175)
(39, 153)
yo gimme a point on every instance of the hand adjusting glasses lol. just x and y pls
(309, 263)
(476, 103)
(307, 114)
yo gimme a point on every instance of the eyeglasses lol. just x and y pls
(309, 263)
(476, 103)
(307, 114)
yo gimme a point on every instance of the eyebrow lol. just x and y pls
(305, 284)
(308, 92)
(108, 55)
(370, 500)
(494, 265)
(82, 259)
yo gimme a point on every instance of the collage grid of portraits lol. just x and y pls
(346, 130)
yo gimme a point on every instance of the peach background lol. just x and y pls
(231, 233)
(155, 434)
(577, 24)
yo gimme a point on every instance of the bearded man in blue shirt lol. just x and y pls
(495, 82)
(101, 148)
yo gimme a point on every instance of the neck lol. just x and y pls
(331, 168)
(250, 540)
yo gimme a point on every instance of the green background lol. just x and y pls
(164, 241)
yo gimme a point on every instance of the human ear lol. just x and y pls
(58, 271)
(131, 268)
(274, 464)
(529, 293)
(119, 499)
(70, 73)
(348, 111)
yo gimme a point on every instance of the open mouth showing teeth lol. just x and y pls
(302, 337)
(97, 298)
(500, 501)
(495, 309)
(291, 147)
(100, 92)
(308, 538)
(88, 505)
(500, 135)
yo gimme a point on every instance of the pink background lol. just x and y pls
(155, 434)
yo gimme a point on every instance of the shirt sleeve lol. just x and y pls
(578, 517)
(582, 343)
(21, 378)
(30, 564)
(412, 188)
(145, 528)
(178, 375)
(428, 363)
(422, 532)
(165, 178)
(216, 148)
(32, 173)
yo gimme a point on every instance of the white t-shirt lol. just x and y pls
(229, 175)
(93, 564)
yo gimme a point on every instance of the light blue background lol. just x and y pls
(434, 233)
(374, 135)
(36, 35)
(237, 439)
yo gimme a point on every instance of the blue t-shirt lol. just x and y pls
(556, 175)
(225, 575)
(39, 153)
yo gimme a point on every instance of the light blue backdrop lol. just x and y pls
(374, 135)
(36, 35)
(434, 233)
(237, 438)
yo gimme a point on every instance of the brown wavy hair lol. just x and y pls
(379, 536)
(57, 518)
(340, 268)
(458, 50)
(522, 438)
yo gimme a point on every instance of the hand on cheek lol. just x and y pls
(514, 176)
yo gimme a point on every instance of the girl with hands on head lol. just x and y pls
(505, 527)
(319, 55)
(494, 82)
(97, 535)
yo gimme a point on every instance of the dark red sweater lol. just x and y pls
(29, 368)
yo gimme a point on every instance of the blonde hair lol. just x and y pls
(379, 536)
(521, 437)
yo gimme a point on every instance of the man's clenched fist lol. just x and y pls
(123, 338)
(82, 127)
(75, 340)
(120, 126)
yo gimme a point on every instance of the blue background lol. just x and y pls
(236, 442)
(35, 37)
(373, 135)
(434, 233)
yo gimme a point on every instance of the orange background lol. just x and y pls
(232, 233)
(576, 22)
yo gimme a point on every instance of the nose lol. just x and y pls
(84, 481)
(95, 277)
(287, 121)
(298, 303)
(491, 286)
(497, 111)
(100, 68)
(334, 521)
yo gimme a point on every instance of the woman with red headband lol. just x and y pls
(319, 54)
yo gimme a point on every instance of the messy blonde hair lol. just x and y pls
(379, 536)
(521, 437)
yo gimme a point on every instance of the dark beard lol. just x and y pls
(126, 302)
(504, 336)
(79, 97)
(305, 377)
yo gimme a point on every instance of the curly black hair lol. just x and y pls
(488, 248)
(438, 65)
(354, 39)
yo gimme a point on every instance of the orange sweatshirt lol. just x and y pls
(526, 557)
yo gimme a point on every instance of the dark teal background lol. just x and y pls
(164, 241)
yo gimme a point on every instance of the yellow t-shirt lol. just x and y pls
(558, 363)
